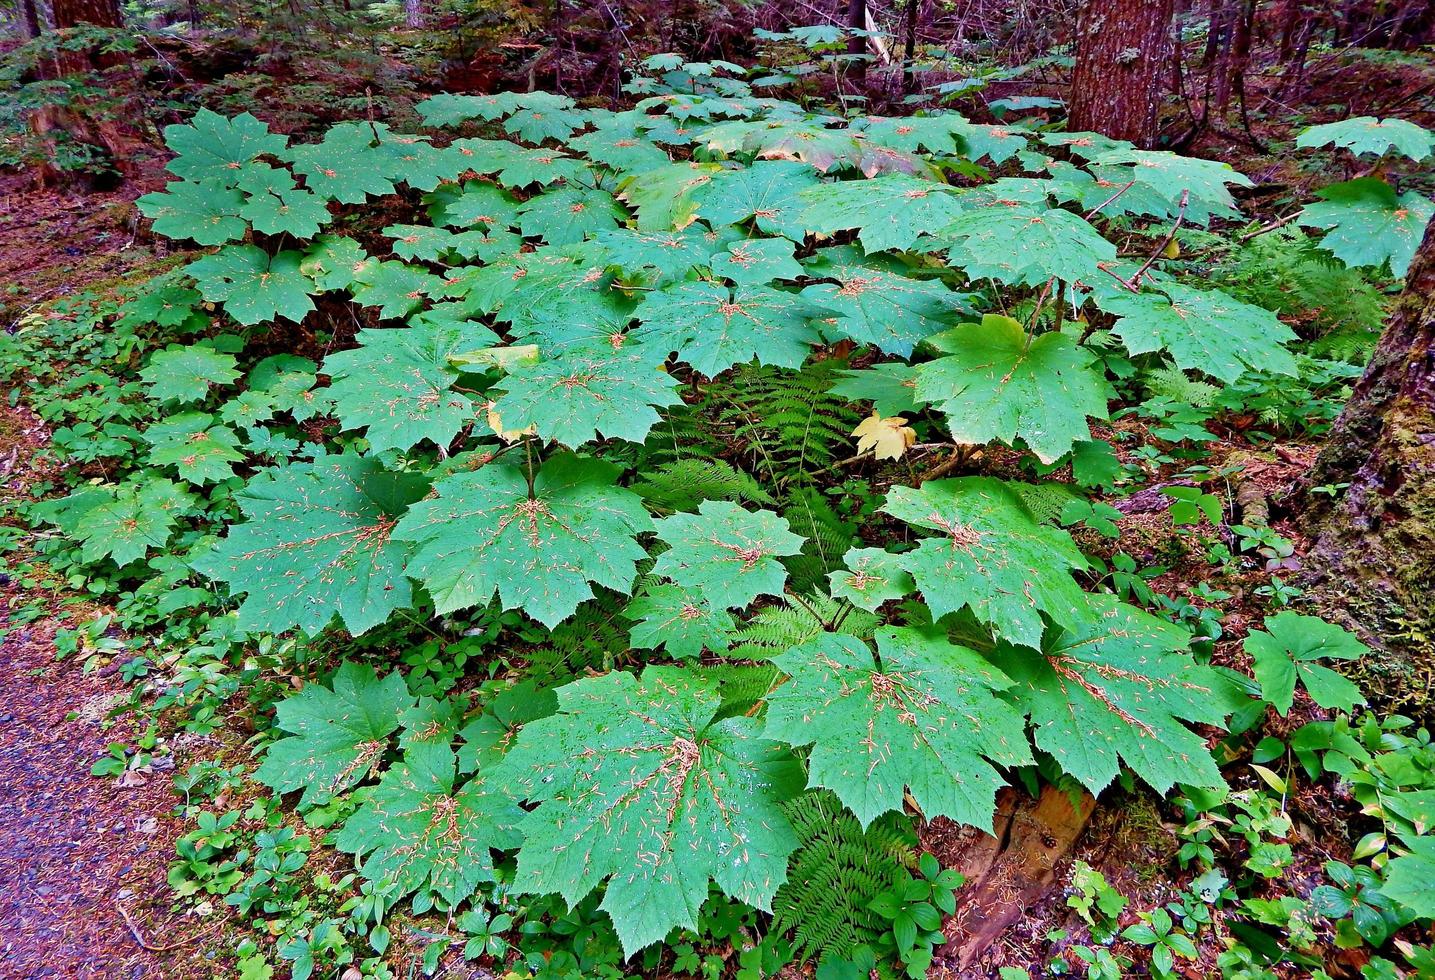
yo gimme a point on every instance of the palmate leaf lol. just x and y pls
(1205, 182)
(589, 392)
(253, 286)
(539, 124)
(317, 543)
(212, 147)
(398, 383)
(1369, 224)
(889, 311)
(346, 166)
(185, 374)
(754, 261)
(567, 215)
(726, 553)
(396, 288)
(1202, 329)
(1366, 134)
(1285, 652)
(453, 110)
(277, 205)
(429, 244)
(872, 576)
(485, 534)
(766, 192)
(335, 262)
(1116, 688)
(429, 832)
(337, 734)
(619, 144)
(122, 523)
(680, 619)
(712, 327)
(418, 163)
(206, 212)
(477, 203)
(991, 557)
(922, 714)
(637, 784)
(199, 450)
(1023, 244)
(671, 254)
(891, 387)
(161, 304)
(912, 134)
(523, 168)
(997, 383)
(666, 196)
(889, 212)
(488, 737)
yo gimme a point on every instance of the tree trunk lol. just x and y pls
(414, 14)
(76, 119)
(909, 52)
(30, 17)
(1122, 48)
(72, 13)
(857, 21)
(1374, 546)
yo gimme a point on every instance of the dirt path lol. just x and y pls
(78, 853)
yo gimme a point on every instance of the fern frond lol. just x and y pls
(1173, 383)
(1046, 501)
(835, 873)
(829, 537)
(787, 422)
(779, 627)
(685, 483)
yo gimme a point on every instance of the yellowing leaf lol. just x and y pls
(513, 435)
(886, 438)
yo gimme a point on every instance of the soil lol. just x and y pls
(83, 858)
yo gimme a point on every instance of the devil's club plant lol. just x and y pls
(565, 307)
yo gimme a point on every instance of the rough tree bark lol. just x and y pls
(74, 119)
(414, 14)
(1122, 50)
(73, 13)
(1374, 546)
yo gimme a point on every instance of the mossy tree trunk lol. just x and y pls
(1374, 544)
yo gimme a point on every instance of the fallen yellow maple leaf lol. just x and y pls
(886, 438)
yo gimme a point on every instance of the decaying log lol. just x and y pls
(1011, 870)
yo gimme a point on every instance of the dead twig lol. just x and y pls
(149, 947)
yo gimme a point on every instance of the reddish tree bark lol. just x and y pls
(80, 124)
(1374, 550)
(1122, 49)
(73, 13)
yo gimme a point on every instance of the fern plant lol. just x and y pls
(837, 870)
